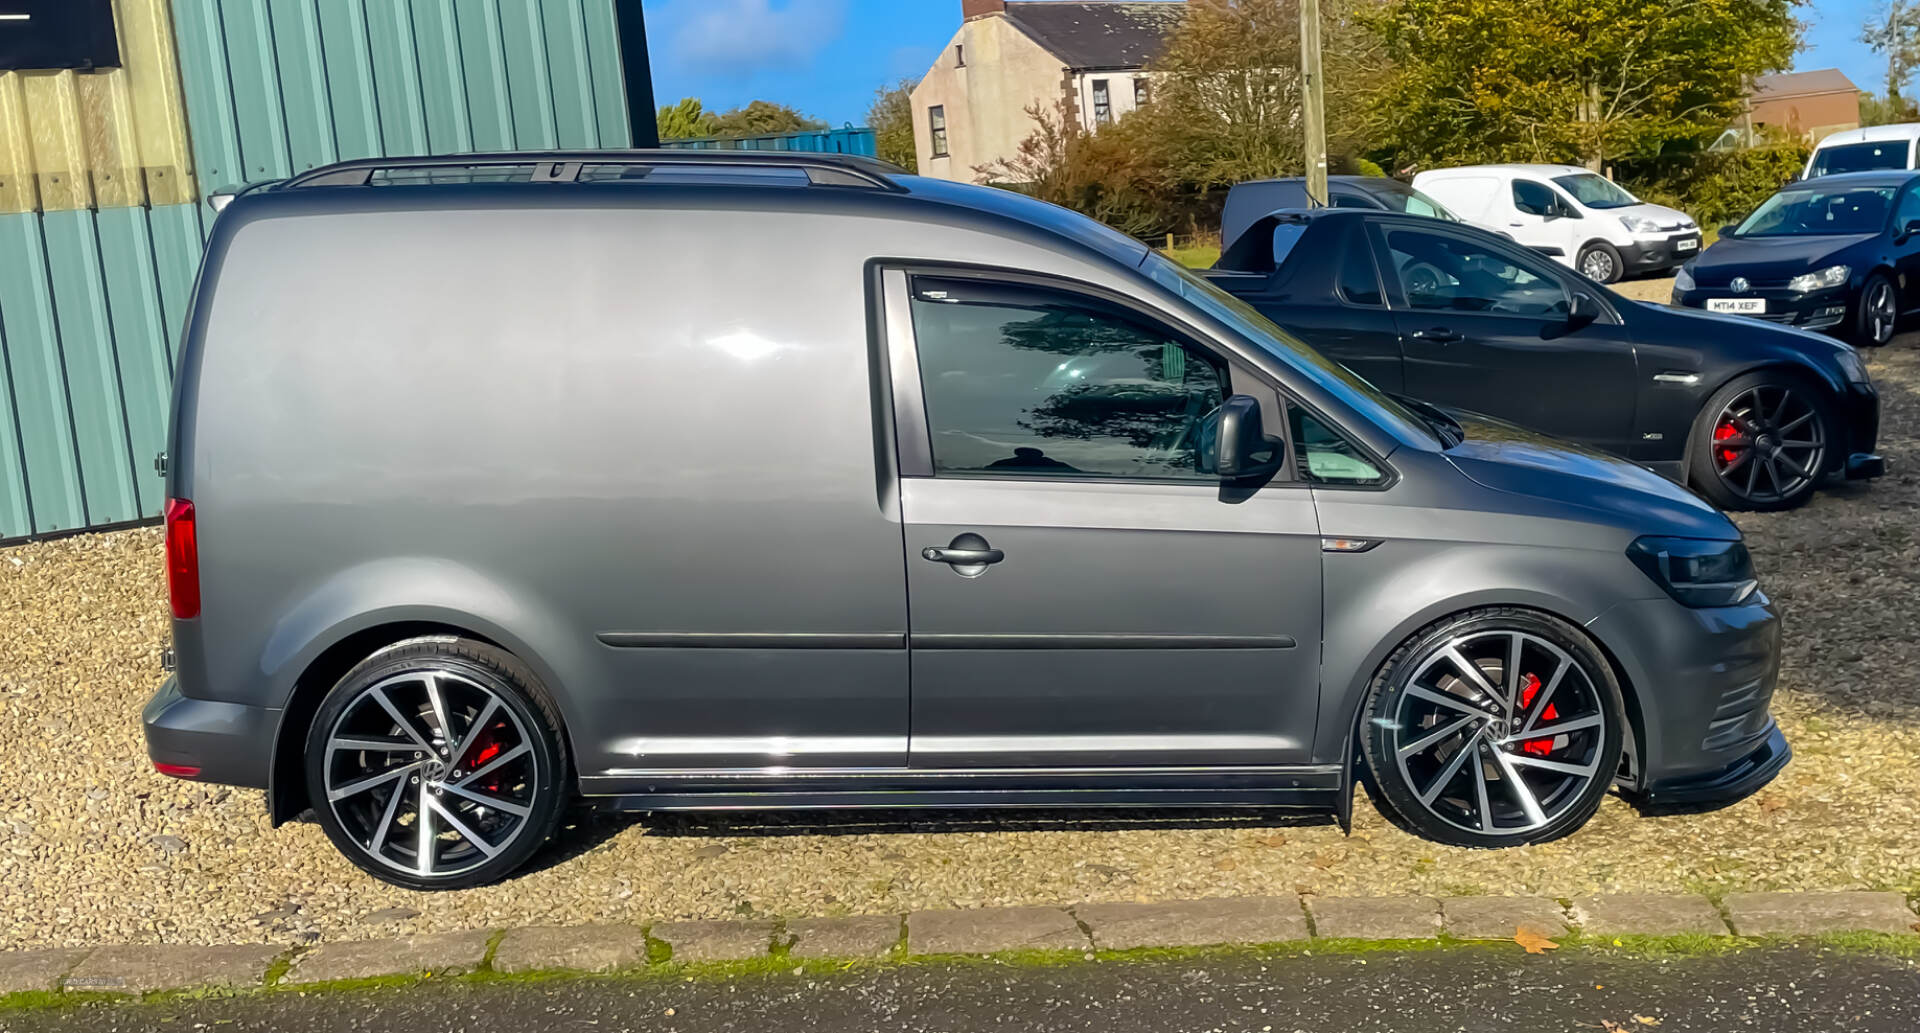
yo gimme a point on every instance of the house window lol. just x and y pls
(1102, 104)
(937, 120)
(959, 56)
(1141, 91)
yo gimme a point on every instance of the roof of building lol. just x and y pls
(1101, 33)
(1801, 84)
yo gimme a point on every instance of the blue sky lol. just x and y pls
(826, 57)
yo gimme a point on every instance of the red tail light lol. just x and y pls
(177, 770)
(183, 560)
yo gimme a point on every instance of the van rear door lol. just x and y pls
(1079, 596)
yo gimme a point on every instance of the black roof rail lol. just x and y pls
(846, 170)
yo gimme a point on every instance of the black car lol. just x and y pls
(1753, 416)
(1248, 201)
(1838, 253)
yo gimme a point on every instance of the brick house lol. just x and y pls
(1812, 104)
(970, 107)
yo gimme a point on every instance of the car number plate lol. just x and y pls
(1685, 245)
(1743, 306)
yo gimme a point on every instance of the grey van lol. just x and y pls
(689, 480)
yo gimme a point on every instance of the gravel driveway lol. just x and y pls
(95, 847)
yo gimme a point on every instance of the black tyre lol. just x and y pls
(1600, 262)
(1493, 728)
(1762, 442)
(1876, 313)
(438, 763)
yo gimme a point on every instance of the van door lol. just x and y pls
(1078, 595)
(1542, 220)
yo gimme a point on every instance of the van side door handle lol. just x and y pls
(1438, 335)
(968, 554)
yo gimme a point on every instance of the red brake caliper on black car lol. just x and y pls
(1529, 687)
(1723, 432)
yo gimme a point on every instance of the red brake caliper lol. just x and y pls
(485, 749)
(1723, 432)
(1529, 687)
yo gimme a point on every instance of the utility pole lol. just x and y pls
(1313, 107)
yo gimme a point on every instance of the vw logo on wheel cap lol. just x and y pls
(1739, 284)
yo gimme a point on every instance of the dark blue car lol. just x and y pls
(1837, 253)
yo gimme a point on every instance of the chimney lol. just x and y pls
(971, 9)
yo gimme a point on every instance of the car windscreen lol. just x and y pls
(1400, 197)
(1338, 380)
(1812, 211)
(1595, 191)
(1873, 156)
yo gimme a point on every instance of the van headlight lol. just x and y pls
(1683, 280)
(1831, 276)
(1640, 224)
(1697, 571)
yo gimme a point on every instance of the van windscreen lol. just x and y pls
(1859, 157)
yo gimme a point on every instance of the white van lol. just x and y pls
(1580, 218)
(1868, 149)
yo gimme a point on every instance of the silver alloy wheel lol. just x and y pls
(1597, 265)
(1881, 311)
(430, 772)
(1768, 443)
(1500, 733)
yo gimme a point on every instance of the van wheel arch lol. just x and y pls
(287, 780)
(1633, 748)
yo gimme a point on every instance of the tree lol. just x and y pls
(760, 118)
(891, 117)
(1117, 173)
(1554, 80)
(685, 120)
(1895, 32)
(1889, 110)
(1227, 88)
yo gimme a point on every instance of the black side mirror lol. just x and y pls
(1234, 445)
(1582, 309)
(1911, 228)
(1727, 230)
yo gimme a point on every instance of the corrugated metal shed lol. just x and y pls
(98, 260)
(850, 140)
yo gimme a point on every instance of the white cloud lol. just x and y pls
(753, 35)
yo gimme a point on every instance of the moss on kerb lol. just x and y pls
(773, 966)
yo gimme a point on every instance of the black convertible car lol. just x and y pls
(1753, 416)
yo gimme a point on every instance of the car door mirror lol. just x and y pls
(1233, 444)
(1582, 309)
(1909, 230)
(1728, 230)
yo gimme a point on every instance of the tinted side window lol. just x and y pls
(1026, 382)
(1359, 283)
(1909, 209)
(1533, 198)
(1438, 271)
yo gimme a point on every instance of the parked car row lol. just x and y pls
(1750, 415)
(941, 496)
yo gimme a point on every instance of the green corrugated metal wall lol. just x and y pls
(91, 301)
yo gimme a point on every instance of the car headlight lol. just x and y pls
(1852, 365)
(1683, 280)
(1831, 276)
(1640, 224)
(1697, 571)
